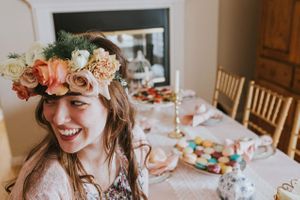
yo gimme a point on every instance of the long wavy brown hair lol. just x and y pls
(117, 132)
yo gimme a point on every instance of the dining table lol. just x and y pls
(188, 183)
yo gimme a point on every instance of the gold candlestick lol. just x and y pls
(176, 133)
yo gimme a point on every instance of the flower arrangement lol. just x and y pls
(71, 64)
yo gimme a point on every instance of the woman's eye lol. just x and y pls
(49, 101)
(78, 103)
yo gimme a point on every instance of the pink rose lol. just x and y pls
(83, 82)
(28, 79)
(53, 75)
(22, 91)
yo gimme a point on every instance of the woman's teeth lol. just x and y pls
(69, 132)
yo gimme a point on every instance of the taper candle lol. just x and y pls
(177, 81)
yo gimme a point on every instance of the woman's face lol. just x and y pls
(77, 121)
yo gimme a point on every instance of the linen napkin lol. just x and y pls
(200, 115)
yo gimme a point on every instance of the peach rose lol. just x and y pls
(83, 82)
(53, 75)
(22, 91)
(28, 79)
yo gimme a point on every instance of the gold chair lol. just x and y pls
(268, 107)
(228, 90)
(292, 149)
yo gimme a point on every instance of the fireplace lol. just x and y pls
(143, 31)
(156, 24)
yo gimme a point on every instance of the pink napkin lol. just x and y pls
(200, 115)
(159, 162)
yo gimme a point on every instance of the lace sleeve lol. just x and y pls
(142, 147)
(51, 183)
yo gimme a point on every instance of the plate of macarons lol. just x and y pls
(207, 156)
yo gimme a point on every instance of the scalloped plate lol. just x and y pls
(242, 166)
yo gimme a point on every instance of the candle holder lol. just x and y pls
(176, 133)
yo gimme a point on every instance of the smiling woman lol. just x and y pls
(93, 149)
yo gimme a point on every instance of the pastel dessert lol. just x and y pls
(190, 158)
(188, 150)
(216, 168)
(236, 157)
(226, 169)
(228, 151)
(217, 155)
(199, 152)
(209, 150)
(201, 163)
(218, 147)
(198, 140)
(223, 159)
(207, 155)
(192, 144)
(207, 143)
(212, 161)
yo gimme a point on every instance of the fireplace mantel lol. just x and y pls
(42, 14)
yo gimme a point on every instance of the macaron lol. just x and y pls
(188, 150)
(218, 147)
(223, 159)
(212, 161)
(236, 157)
(209, 150)
(199, 152)
(200, 148)
(190, 158)
(228, 151)
(206, 156)
(192, 144)
(226, 169)
(207, 143)
(198, 140)
(214, 168)
(202, 161)
(216, 154)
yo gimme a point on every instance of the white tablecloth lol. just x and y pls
(187, 183)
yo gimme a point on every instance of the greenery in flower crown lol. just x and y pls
(13, 55)
(67, 43)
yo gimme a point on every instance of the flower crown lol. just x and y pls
(71, 64)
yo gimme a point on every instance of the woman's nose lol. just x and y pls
(61, 114)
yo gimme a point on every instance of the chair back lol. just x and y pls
(268, 106)
(229, 86)
(295, 137)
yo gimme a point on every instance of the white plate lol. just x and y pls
(263, 152)
(151, 105)
(158, 179)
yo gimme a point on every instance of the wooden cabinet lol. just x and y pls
(278, 53)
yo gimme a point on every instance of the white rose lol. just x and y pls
(35, 52)
(12, 68)
(79, 59)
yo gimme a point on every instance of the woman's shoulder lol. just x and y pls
(48, 182)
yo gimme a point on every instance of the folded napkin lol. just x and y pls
(247, 146)
(289, 191)
(159, 162)
(200, 115)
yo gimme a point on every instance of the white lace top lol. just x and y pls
(53, 182)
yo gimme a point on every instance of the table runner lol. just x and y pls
(189, 183)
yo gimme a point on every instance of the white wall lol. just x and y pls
(238, 31)
(17, 34)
